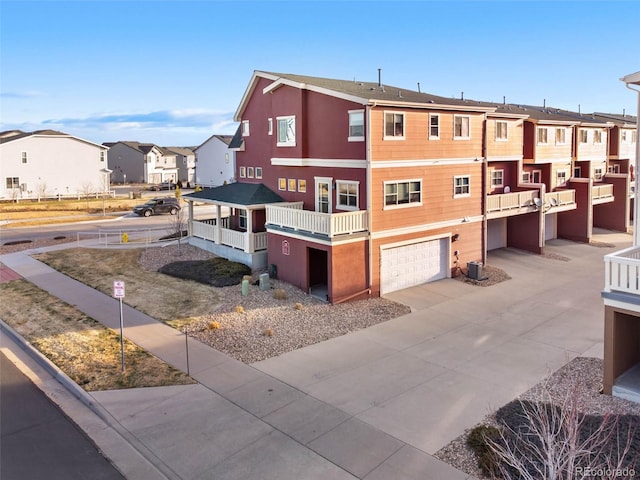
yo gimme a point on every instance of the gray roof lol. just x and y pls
(236, 140)
(616, 118)
(238, 194)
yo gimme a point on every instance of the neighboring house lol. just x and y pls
(47, 163)
(141, 163)
(186, 163)
(621, 297)
(215, 161)
(349, 189)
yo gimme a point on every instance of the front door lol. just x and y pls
(323, 194)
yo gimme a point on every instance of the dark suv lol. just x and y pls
(157, 206)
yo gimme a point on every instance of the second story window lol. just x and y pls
(497, 178)
(597, 136)
(461, 127)
(347, 195)
(434, 126)
(245, 128)
(101, 157)
(597, 173)
(542, 135)
(584, 136)
(561, 138)
(461, 186)
(561, 177)
(24, 157)
(501, 131)
(407, 193)
(286, 131)
(356, 125)
(393, 125)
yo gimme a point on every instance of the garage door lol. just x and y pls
(496, 233)
(550, 222)
(413, 264)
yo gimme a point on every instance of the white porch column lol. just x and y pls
(218, 230)
(249, 247)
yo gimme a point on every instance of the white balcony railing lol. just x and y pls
(248, 242)
(560, 197)
(622, 271)
(329, 224)
(510, 201)
(602, 191)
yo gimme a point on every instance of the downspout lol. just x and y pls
(636, 216)
(484, 192)
(369, 195)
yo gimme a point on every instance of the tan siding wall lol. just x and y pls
(555, 168)
(417, 144)
(438, 203)
(590, 150)
(500, 148)
(551, 151)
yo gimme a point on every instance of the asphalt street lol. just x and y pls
(39, 442)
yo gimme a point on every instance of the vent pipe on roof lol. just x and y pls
(624, 112)
(379, 77)
(419, 88)
(504, 100)
(461, 95)
(579, 110)
(544, 103)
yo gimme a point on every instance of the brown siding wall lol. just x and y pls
(512, 146)
(621, 344)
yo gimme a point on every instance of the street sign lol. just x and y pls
(118, 289)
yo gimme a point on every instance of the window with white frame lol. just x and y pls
(291, 184)
(347, 195)
(613, 168)
(597, 136)
(302, 185)
(393, 125)
(13, 182)
(245, 128)
(501, 130)
(561, 177)
(577, 172)
(403, 193)
(497, 178)
(624, 138)
(242, 218)
(24, 157)
(583, 135)
(282, 183)
(269, 126)
(461, 186)
(356, 125)
(561, 136)
(249, 172)
(597, 173)
(542, 135)
(258, 172)
(434, 126)
(243, 172)
(461, 127)
(286, 131)
(526, 177)
(24, 160)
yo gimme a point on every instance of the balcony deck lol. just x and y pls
(602, 193)
(291, 216)
(622, 271)
(513, 203)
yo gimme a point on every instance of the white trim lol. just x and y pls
(429, 136)
(279, 82)
(384, 125)
(506, 131)
(465, 194)
(329, 182)
(400, 205)
(340, 240)
(430, 106)
(546, 140)
(563, 129)
(358, 138)
(411, 241)
(319, 162)
(269, 126)
(289, 142)
(425, 227)
(424, 162)
(348, 208)
(544, 161)
(245, 128)
(495, 170)
(505, 158)
(461, 137)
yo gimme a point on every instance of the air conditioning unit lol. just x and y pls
(474, 270)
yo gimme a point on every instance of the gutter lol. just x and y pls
(636, 215)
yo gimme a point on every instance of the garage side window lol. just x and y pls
(405, 193)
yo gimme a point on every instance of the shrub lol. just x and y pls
(215, 325)
(239, 309)
(216, 271)
(268, 332)
(298, 306)
(279, 294)
(477, 441)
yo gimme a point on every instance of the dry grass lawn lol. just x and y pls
(160, 296)
(87, 352)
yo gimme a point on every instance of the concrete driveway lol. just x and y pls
(464, 350)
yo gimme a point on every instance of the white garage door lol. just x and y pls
(550, 220)
(413, 264)
(496, 233)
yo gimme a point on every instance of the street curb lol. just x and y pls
(162, 469)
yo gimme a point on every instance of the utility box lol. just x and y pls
(474, 270)
(264, 282)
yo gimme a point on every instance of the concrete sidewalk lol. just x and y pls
(239, 422)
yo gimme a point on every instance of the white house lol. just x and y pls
(186, 164)
(47, 163)
(215, 162)
(141, 163)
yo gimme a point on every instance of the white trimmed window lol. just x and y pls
(393, 126)
(613, 168)
(258, 172)
(624, 137)
(250, 172)
(245, 128)
(403, 193)
(584, 135)
(597, 173)
(302, 185)
(24, 157)
(501, 131)
(286, 131)
(526, 177)
(243, 172)
(461, 186)
(291, 185)
(561, 177)
(434, 126)
(24, 160)
(347, 195)
(542, 135)
(577, 172)
(282, 183)
(597, 136)
(461, 127)
(242, 218)
(13, 182)
(356, 126)
(561, 136)
(269, 126)
(497, 178)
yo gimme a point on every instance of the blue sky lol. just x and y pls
(173, 72)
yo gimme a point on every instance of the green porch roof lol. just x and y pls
(237, 194)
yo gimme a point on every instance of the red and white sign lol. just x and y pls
(118, 288)
(285, 247)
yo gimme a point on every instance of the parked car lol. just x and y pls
(157, 206)
(162, 186)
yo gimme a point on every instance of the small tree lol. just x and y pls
(177, 227)
(86, 189)
(42, 190)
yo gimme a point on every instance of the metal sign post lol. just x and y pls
(118, 292)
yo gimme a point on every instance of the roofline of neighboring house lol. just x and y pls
(57, 135)
(216, 135)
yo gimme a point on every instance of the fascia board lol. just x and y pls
(312, 88)
(633, 78)
(237, 117)
(431, 106)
